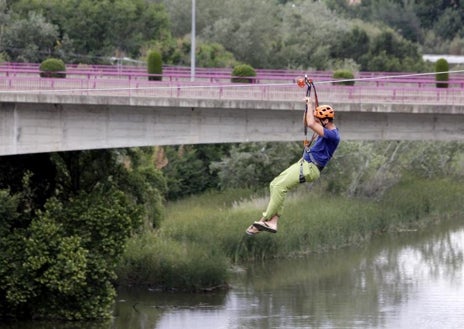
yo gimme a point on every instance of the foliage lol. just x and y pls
(155, 66)
(243, 73)
(248, 30)
(253, 165)
(64, 223)
(31, 178)
(449, 23)
(442, 75)
(361, 169)
(99, 29)
(271, 34)
(8, 210)
(208, 54)
(391, 53)
(145, 183)
(186, 169)
(52, 68)
(369, 169)
(353, 44)
(433, 23)
(214, 55)
(62, 265)
(312, 222)
(308, 32)
(343, 75)
(167, 264)
(30, 39)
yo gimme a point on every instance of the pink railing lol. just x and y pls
(269, 85)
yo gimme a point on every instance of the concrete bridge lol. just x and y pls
(113, 111)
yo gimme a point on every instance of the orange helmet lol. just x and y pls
(324, 111)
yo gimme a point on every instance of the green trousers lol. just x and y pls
(287, 180)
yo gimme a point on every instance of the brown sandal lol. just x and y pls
(264, 226)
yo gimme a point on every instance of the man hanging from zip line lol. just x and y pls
(308, 169)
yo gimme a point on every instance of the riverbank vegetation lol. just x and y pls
(370, 188)
(74, 224)
(203, 236)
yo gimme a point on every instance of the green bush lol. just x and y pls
(343, 75)
(52, 68)
(62, 265)
(155, 66)
(243, 73)
(441, 66)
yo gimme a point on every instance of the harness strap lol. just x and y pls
(302, 178)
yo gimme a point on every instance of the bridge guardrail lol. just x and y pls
(276, 85)
(278, 92)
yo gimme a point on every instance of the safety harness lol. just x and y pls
(307, 143)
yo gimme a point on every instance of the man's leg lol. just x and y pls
(287, 180)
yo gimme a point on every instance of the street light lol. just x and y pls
(192, 50)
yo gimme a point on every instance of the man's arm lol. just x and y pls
(311, 121)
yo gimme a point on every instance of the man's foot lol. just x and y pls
(265, 226)
(252, 230)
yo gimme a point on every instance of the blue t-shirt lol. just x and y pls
(324, 147)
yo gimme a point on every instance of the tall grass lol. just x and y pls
(203, 235)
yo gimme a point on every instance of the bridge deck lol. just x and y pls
(99, 108)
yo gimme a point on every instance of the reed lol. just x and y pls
(163, 263)
(203, 236)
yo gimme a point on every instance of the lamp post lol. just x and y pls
(192, 50)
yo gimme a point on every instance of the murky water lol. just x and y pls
(410, 280)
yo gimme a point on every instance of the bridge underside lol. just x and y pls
(46, 127)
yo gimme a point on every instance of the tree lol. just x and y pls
(353, 44)
(390, 52)
(308, 32)
(64, 222)
(214, 55)
(62, 265)
(429, 11)
(254, 165)
(31, 39)
(103, 28)
(249, 30)
(4, 19)
(399, 16)
(52, 68)
(441, 73)
(449, 24)
(30, 177)
(155, 66)
(243, 73)
(186, 168)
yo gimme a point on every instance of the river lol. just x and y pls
(406, 280)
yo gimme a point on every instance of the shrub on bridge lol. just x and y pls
(155, 66)
(343, 75)
(52, 68)
(441, 75)
(243, 73)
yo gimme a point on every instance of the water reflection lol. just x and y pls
(387, 282)
(385, 285)
(411, 280)
(139, 308)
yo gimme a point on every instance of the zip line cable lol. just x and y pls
(44, 91)
(391, 76)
